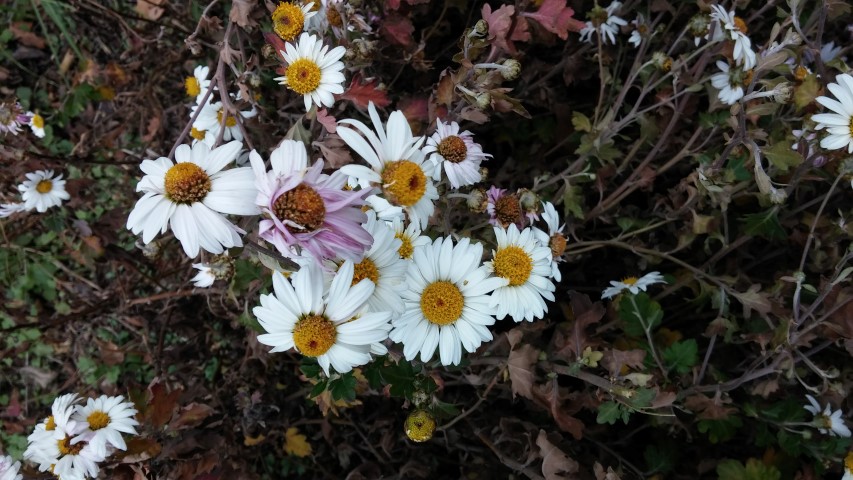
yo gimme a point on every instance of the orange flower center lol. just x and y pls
(365, 269)
(288, 20)
(44, 186)
(406, 248)
(453, 149)
(303, 206)
(507, 210)
(404, 182)
(314, 335)
(186, 183)
(303, 76)
(514, 264)
(741, 25)
(98, 420)
(557, 244)
(442, 302)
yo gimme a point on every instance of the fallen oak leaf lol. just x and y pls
(555, 463)
(556, 17)
(361, 94)
(520, 364)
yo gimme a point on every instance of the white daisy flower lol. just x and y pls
(553, 239)
(105, 418)
(289, 19)
(192, 195)
(632, 284)
(41, 190)
(9, 209)
(205, 276)
(9, 468)
(839, 125)
(383, 266)
(606, 22)
(640, 30)
(75, 461)
(397, 166)
(209, 122)
(36, 124)
(409, 236)
(730, 82)
(329, 324)
(827, 421)
(447, 302)
(458, 153)
(52, 437)
(526, 264)
(312, 72)
(734, 28)
(196, 86)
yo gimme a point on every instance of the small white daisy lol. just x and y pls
(409, 236)
(205, 276)
(839, 125)
(196, 86)
(9, 468)
(827, 421)
(329, 324)
(632, 284)
(192, 195)
(553, 239)
(447, 302)
(730, 82)
(105, 418)
(312, 72)
(606, 22)
(397, 166)
(209, 122)
(37, 124)
(458, 152)
(41, 190)
(734, 28)
(289, 19)
(383, 266)
(526, 264)
(640, 30)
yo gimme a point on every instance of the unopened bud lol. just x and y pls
(483, 100)
(529, 201)
(782, 93)
(477, 201)
(511, 70)
(480, 28)
(662, 61)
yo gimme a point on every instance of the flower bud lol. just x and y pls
(511, 70)
(480, 29)
(477, 201)
(529, 202)
(420, 426)
(483, 100)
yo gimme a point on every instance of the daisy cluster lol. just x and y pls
(75, 438)
(736, 73)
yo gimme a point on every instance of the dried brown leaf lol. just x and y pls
(556, 464)
(614, 360)
(190, 416)
(21, 32)
(520, 364)
(150, 9)
(241, 11)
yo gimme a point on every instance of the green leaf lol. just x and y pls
(319, 388)
(637, 311)
(311, 369)
(610, 412)
(643, 397)
(660, 459)
(720, 430)
(343, 387)
(764, 224)
(581, 122)
(401, 377)
(782, 157)
(682, 356)
(573, 202)
(754, 469)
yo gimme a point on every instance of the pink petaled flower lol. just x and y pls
(458, 152)
(308, 209)
(504, 209)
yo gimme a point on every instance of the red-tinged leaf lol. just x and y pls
(556, 17)
(276, 42)
(504, 27)
(190, 416)
(327, 121)
(414, 109)
(161, 403)
(398, 30)
(361, 94)
(392, 4)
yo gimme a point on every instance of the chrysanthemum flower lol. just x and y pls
(383, 266)
(504, 209)
(447, 302)
(641, 29)
(196, 86)
(397, 166)
(632, 284)
(209, 122)
(305, 208)
(290, 19)
(458, 152)
(41, 190)
(329, 324)
(827, 421)
(327, 15)
(553, 239)
(730, 82)
(105, 419)
(51, 439)
(192, 195)
(526, 265)
(12, 116)
(37, 124)
(205, 276)
(734, 28)
(839, 125)
(312, 72)
(605, 21)
(409, 236)
(9, 468)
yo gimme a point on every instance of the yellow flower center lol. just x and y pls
(37, 121)
(303, 206)
(192, 86)
(197, 134)
(557, 244)
(630, 280)
(404, 182)
(334, 16)
(507, 210)
(365, 269)
(44, 186)
(406, 248)
(514, 264)
(186, 183)
(314, 335)
(98, 420)
(288, 20)
(230, 121)
(453, 149)
(741, 25)
(848, 462)
(65, 447)
(50, 424)
(303, 76)
(442, 303)
(420, 426)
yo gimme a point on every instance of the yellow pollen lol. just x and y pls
(404, 182)
(37, 121)
(186, 183)
(630, 280)
(442, 303)
(420, 426)
(50, 423)
(557, 244)
(453, 149)
(334, 16)
(741, 25)
(303, 206)
(288, 20)
(230, 121)
(65, 447)
(192, 86)
(98, 420)
(507, 210)
(44, 186)
(800, 73)
(514, 264)
(314, 335)
(197, 134)
(406, 249)
(848, 462)
(366, 269)
(303, 76)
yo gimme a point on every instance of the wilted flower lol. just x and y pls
(457, 152)
(632, 284)
(12, 116)
(730, 82)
